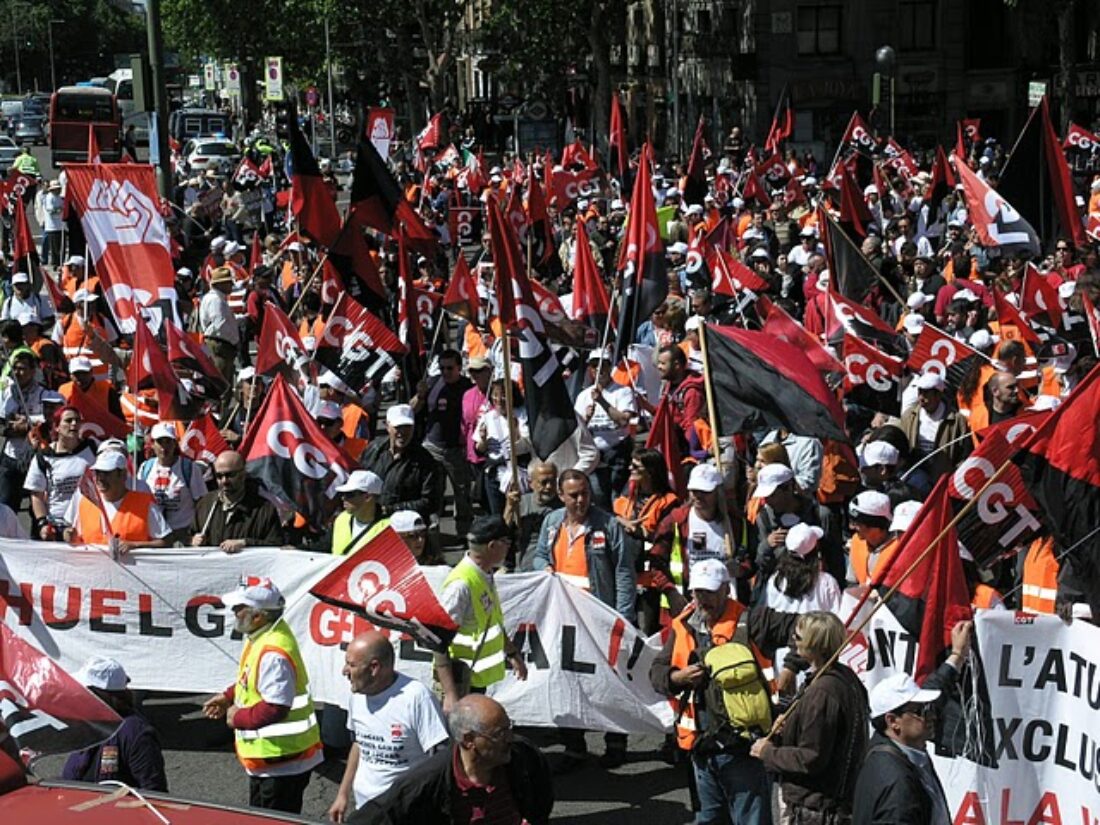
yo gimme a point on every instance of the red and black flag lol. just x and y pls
(311, 202)
(782, 123)
(356, 346)
(762, 381)
(774, 320)
(858, 137)
(188, 354)
(641, 260)
(590, 304)
(695, 185)
(576, 155)
(1080, 140)
(376, 199)
(461, 297)
(936, 351)
(203, 440)
(150, 370)
(406, 603)
(855, 215)
(549, 409)
(932, 595)
(1039, 298)
(732, 278)
(853, 274)
(1011, 325)
(280, 349)
(287, 451)
(943, 183)
(24, 253)
(539, 228)
(859, 320)
(97, 422)
(619, 153)
(754, 189)
(773, 170)
(1060, 464)
(357, 267)
(872, 378)
(1036, 180)
(972, 129)
(408, 327)
(664, 437)
(996, 221)
(46, 710)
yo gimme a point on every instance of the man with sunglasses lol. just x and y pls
(897, 782)
(235, 515)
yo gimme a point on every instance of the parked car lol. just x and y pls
(211, 153)
(9, 151)
(31, 129)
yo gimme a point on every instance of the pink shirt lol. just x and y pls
(474, 402)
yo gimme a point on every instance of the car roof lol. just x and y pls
(7, 141)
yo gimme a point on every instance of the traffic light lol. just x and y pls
(284, 115)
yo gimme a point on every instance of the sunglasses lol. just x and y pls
(921, 711)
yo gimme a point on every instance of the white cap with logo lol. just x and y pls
(255, 591)
(708, 574)
(897, 691)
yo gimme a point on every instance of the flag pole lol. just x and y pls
(778, 725)
(715, 434)
(309, 283)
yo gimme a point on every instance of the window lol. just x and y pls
(917, 25)
(819, 29)
(702, 21)
(84, 108)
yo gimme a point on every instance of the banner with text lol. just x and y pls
(159, 613)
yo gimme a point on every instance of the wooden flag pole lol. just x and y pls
(715, 446)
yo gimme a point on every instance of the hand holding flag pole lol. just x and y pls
(715, 432)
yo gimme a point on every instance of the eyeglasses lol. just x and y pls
(502, 735)
(921, 711)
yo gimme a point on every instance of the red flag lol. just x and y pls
(1011, 323)
(538, 221)
(755, 190)
(936, 351)
(332, 285)
(515, 214)
(61, 302)
(356, 346)
(1038, 297)
(377, 201)
(126, 237)
(311, 201)
(731, 277)
(97, 421)
(47, 711)
(777, 322)
(773, 170)
(256, 254)
(590, 304)
(575, 154)
(853, 208)
(23, 243)
(383, 582)
(616, 140)
(94, 155)
(1092, 316)
(858, 136)
(430, 137)
(1060, 180)
(935, 590)
(972, 129)
(782, 123)
(1080, 139)
(203, 441)
(280, 346)
(461, 297)
(997, 223)
(942, 184)
(695, 186)
(872, 378)
(794, 194)
(664, 437)
(286, 450)
(187, 353)
(409, 329)
(850, 315)
(150, 369)
(359, 262)
(960, 143)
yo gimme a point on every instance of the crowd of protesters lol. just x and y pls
(761, 530)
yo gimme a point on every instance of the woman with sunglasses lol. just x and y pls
(55, 471)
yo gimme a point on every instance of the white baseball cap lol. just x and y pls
(84, 296)
(694, 209)
(110, 461)
(245, 374)
(185, 272)
(968, 295)
(708, 574)
(880, 452)
(163, 429)
(981, 339)
(231, 248)
(930, 381)
(918, 299)
(1044, 403)
(770, 478)
(802, 539)
(330, 411)
(914, 323)
(678, 248)
(704, 478)
(407, 521)
(400, 415)
(217, 243)
(255, 591)
(904, 514)
(103, 673)
(1066, 290)
(871, 503)
(695, 322)
(361, 481)
(20, 278)
(75, 260)
(897, 691)
(80, 364)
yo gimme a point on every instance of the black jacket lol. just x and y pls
(423, 795)
(412, 481)
(889, 789)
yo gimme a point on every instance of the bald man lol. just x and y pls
(235, 515)
(395, 720)
(488, 775)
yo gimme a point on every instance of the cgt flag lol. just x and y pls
(288, 453)
(759, 379)
(382, 582)
(356, 346)
(203, 441)
(872, 379)
(775, 321)
(280, 348)
(995, 220)
(45, 709)
(951, 359)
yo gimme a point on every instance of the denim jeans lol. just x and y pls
(733, 788)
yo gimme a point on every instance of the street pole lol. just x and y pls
(331, 110)
(676, 77)
(160, 97)
(53, 69)
(15, 43)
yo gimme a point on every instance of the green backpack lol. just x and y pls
(736, 676)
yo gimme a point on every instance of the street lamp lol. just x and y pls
(15, 43)
(53, 72)
(886, 59)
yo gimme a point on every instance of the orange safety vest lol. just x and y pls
(683, 643)
(129, 524)
(99, 392)
(859, 555)
(839, 473)
(76, 340)
(1040, 579)
(570, 559)
(1051, 383)
(985, 596)
(353, 415)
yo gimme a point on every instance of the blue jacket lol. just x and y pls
(132, 754)
(611, 573)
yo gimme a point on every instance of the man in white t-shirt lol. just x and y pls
(607, 408)
(395, 720)
(174, 480)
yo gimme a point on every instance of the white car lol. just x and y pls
(9, 151)
(218, 154)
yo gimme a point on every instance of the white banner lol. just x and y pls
(273, 78)
(158, 612)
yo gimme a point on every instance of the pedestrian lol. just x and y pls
(488, 775)
(607, 409)
(819, 748)
(395, 720)
(528, 510)
(361, 518)
(412, 530)
(132, 754)
(55, 472)
(479, 651)
(269, 707)
(729, 782)
(218, 324)
(117, 516)
(177, 484)
(20, 403)
(411, 478)
(235, 515)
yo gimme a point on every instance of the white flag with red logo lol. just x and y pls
(126, 236)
